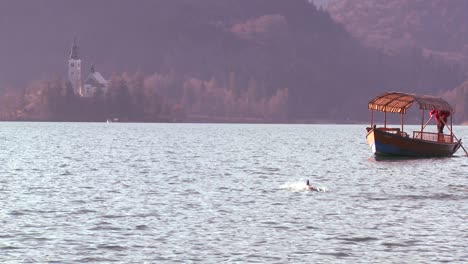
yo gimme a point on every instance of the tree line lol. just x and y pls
(153, 98)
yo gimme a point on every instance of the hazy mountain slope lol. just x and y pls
(458, 97)
(438, 27)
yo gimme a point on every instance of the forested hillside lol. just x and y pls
(438, 27)
(211, 60)
(435, 29)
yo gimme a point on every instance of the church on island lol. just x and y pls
(94, 84)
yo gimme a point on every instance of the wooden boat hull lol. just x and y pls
(384, 143)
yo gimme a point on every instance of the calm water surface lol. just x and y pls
(184, 193)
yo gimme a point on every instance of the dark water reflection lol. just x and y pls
(136, 193)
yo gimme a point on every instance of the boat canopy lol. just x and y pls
(396, 102)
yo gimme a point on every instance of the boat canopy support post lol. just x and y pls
(402, 121)
(372, 118)
(422, 123)
(385, 120)
(451, 124)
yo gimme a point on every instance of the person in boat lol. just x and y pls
(441, 119)
(311, 187)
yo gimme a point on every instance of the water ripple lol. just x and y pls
(182, 193)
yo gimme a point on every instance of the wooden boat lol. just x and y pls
(394, 141)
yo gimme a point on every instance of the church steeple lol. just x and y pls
(74, 50)
(74, 69)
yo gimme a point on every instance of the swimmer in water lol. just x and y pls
(311, 187)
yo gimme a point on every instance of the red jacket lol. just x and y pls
(440, 114)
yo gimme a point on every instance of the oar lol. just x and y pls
(461, 145)
(425, 125)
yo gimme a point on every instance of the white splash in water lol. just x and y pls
(300, 186)
(295, 186)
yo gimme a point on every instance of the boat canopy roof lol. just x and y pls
(397, 102)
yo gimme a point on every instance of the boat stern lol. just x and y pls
(371, 140)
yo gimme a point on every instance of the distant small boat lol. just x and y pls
(112, 120)
(395, 141)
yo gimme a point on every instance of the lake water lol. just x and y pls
(211, 193)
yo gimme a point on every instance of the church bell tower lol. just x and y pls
(74, 69)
